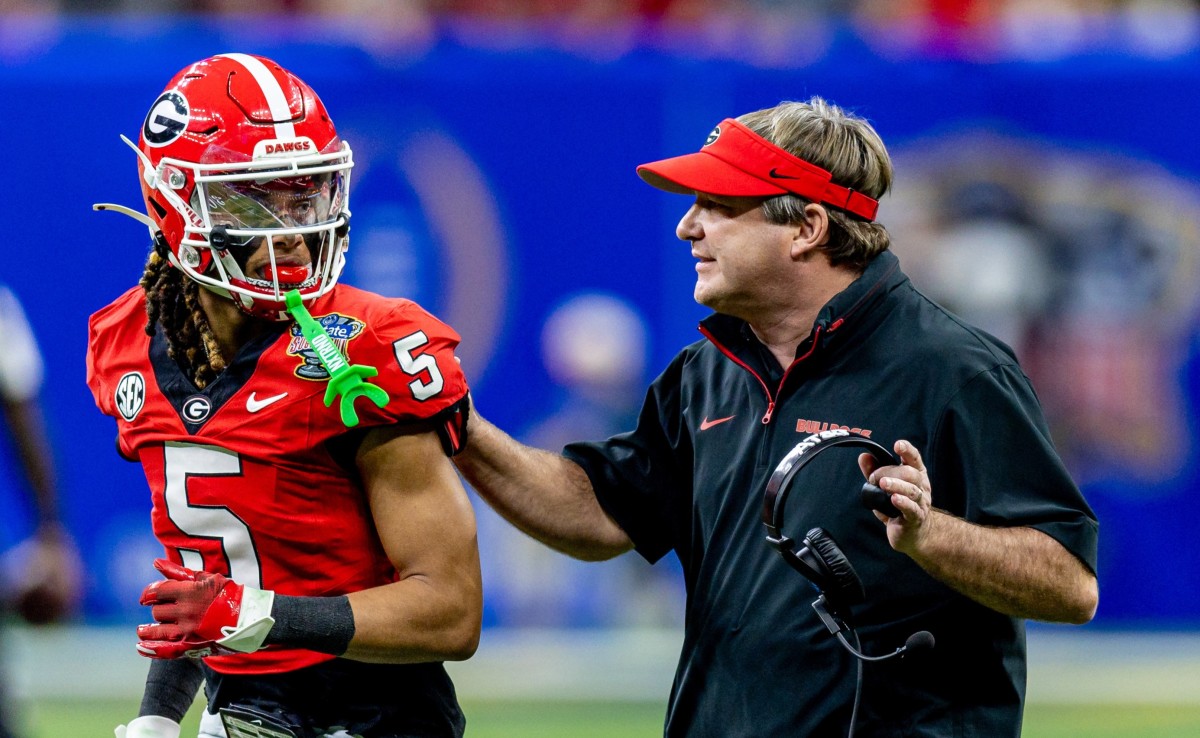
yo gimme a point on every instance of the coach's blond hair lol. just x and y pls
(850, 149)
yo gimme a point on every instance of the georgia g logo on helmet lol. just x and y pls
(167, 119)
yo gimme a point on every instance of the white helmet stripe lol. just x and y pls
(271, 90)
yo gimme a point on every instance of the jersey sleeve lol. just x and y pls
(643, 479)
(414, 354)
(95, 374)
(107, 338)
(994, 456)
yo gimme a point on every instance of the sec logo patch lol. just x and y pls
(130, 395)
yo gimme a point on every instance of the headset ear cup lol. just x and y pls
(845, 588)
(804, 563)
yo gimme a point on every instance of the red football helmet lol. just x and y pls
(238, 153)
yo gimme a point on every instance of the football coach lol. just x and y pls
(816, 326)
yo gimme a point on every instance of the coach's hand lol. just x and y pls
(908, 486)
(148, 726)
(200, 614)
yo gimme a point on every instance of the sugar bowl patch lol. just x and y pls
(341, 328)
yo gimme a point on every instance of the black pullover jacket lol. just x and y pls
(885, 361)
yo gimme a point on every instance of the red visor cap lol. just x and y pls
(737, 162)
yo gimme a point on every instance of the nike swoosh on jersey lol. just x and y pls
(253, 404)
(706, 423)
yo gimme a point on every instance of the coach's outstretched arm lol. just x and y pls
(544, 494)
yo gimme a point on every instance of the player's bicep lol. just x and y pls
(422, 513)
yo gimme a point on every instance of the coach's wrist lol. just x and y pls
(928, 541)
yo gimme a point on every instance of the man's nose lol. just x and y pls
(287, 241)
(689, 228)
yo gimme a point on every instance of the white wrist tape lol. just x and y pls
(148, 726)
(254, 622)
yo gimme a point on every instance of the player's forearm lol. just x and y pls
(416, 620)
(1017, 571)
(409, 621)
(544, 494)
(419, 618)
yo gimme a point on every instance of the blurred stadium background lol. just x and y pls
(1047, 189)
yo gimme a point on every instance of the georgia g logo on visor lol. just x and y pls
(167, 119)
(713, 136)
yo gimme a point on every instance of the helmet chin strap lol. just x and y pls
(232, 269)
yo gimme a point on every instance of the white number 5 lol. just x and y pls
(209, 521)
(414, 365)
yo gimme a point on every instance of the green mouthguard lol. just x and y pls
(345, 379)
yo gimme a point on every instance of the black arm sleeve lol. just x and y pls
(322, 624)
(171, 687)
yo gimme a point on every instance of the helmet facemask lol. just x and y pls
(297, 208)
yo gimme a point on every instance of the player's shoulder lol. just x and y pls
(384, 316)
(120, 313)
(116, 341)
(411, 351)
(347, 297)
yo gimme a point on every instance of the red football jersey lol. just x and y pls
(245, 475)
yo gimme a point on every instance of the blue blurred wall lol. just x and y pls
(507, 177)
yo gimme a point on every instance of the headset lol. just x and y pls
(819, 559)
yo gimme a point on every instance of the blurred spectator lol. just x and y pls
(594, 347)
(42, 572)
(993, 264)
(1084, 265)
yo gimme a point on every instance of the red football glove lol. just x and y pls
(201, 614)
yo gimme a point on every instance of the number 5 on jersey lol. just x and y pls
(417, 365)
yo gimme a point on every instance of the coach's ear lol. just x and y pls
(810, 233)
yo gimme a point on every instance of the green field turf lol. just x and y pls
(94, 719)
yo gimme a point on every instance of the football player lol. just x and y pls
(316, 573)
(45, 567)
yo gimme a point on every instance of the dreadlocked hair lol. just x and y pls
(172, 302)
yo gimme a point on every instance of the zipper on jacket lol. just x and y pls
(770, 413)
